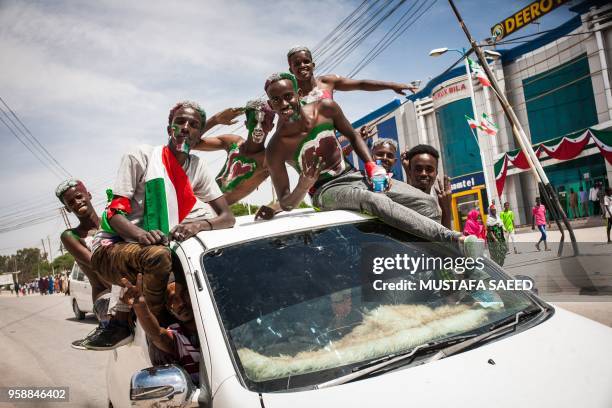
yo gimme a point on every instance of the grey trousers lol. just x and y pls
(403, 206)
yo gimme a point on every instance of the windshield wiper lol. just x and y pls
(378, 364)
(497, 328)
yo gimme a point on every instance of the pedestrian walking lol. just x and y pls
(495, 237)
(538, 217)
(507, 218)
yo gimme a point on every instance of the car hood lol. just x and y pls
(562, 362)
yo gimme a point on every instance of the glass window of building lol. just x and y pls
(460, 152)
(560, 100)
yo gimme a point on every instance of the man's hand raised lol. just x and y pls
(228, 116)
(444, 192)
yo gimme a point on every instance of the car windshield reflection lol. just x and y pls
(295, 313)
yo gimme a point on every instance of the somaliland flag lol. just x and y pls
(479, 73)
(473, 123)
(168, 194)
(488, 126)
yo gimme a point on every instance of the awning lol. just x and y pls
(562, 148)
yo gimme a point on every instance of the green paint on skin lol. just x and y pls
(251, 120)
(181, 147)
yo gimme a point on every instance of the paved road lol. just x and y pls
(35, 336)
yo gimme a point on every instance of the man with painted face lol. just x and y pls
(421, 166)
(305, 138)
(302, 66)
(245, 167)
(179, 342)
(160, 194)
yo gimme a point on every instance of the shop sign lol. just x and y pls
(523, 17)
(467, 182)
(448, 93)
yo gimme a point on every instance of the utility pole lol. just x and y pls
(42, 241)
(65, 217)
(50, 256)
(546, 190)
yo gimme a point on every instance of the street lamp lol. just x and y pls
(494, 55)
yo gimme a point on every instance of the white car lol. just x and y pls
(80, 293)
(283, 322)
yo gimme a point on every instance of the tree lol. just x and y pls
(239, 209)
(63, 262)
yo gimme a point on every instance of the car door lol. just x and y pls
(81, 289)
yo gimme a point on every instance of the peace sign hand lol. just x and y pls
(311, 174)
(444, 193)
(133, 295)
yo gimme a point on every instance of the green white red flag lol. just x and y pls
(479, 73)
(168, 194)
(487, 125)
(472, 122)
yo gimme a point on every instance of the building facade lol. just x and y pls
(559, 87)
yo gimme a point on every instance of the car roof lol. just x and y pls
(247, 229)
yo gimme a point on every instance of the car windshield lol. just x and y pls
(295, 313)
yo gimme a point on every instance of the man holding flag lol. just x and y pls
(159, 195)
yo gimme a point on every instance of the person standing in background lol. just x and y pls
(574, 203)
(584, 202)
(607, 207)
(594, 199)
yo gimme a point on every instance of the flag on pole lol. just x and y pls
(472, 122)
(487, 125)
(479, 73)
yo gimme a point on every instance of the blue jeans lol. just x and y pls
(542, 229)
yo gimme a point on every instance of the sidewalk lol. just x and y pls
(579, 223)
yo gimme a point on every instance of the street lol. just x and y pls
(35, 336)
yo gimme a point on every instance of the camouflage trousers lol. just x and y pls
(127, 260)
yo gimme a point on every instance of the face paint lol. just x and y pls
(182, 147)
(295, 117)
(255, 118)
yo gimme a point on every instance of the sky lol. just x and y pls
(91, 79)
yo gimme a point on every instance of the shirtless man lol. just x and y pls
(245, 167)
(305, 138)
(302, 66)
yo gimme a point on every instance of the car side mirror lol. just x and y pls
(161, 386)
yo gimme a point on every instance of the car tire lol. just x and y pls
(78, 313)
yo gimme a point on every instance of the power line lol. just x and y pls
(396, 34)
(48, 166)
(36, 143)
(344, 22)
(347, 47)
